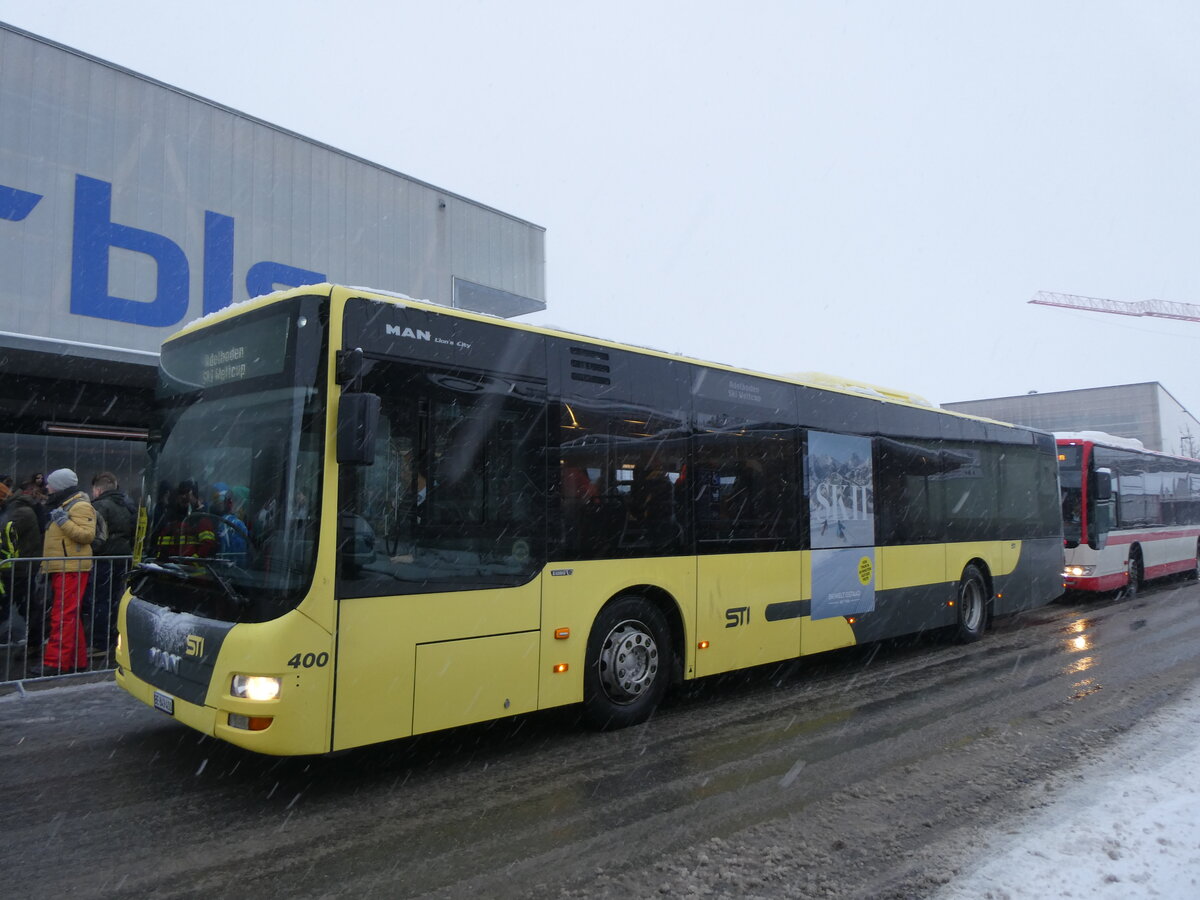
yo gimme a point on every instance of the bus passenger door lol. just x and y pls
(750, 581)
(442, 538)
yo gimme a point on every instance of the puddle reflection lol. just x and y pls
(1080, 642)
(1082, 639)
(1080, 665)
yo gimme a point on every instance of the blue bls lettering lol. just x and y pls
(218, 267)
(264, 276)
(95, 233)
(15, 205)
(218, 261)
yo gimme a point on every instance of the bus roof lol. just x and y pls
(1112, 441)
(815, 380)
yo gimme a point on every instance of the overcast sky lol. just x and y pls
(871, 189)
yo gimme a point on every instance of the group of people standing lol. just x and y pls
(67, 537)
(184, 526)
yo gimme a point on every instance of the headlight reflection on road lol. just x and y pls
(1082, 640)
(1079, 642)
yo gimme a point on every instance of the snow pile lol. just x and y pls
(1101, 437)
(851, 386)
(1128, 827)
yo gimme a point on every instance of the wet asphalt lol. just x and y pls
(857, 773)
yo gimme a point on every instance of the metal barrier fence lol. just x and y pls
(46, 633)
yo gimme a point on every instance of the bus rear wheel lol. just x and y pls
(628, 664)
(972, 605)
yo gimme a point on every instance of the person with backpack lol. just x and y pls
(35, 487)
(21, 539)
(68, 551)
(116, 516)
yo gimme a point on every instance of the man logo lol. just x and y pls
(161, 659)
(195, 645)
(418, 334)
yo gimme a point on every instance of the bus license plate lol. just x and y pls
(165, 702)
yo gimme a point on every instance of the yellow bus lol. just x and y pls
(371, 517)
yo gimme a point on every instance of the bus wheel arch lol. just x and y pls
(632, 651)
(974, 601)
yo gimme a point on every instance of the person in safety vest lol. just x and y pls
(186, 529)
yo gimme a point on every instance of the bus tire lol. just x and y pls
(972, 605)
(1137, 573)
(628, 664)
(1194, 574)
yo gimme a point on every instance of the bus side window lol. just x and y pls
(618, 475)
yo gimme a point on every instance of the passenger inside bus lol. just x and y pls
(186, 528)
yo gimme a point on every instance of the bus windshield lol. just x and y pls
(1070, 474)
(234, 484)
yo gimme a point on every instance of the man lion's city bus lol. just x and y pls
(1129, 514)
(454, 518)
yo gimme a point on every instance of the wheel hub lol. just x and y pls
(628, 661)
(971, 602)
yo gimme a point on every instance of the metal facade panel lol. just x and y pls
(1127, 410)
(190, 205)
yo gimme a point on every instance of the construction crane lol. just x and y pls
(1162, 309)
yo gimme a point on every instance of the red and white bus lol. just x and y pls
(1129, 514)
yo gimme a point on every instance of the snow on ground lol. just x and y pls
(1128, 825)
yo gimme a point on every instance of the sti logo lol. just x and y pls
(95, 235)
(195, 645)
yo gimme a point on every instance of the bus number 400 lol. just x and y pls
(308, 660)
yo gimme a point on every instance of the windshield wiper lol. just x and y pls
(183, 568)
(143, 572)
(178, 568)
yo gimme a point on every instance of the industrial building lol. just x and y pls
(129, 207)
(1145, 411)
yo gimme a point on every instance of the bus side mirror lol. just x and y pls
(358, 419)
(1103, 484)
(350, 365)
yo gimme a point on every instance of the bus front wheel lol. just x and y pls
(1137, 573)
(972, 604)
(628, 664)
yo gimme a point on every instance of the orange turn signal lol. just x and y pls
(703, 645)
(250, 723)
(561, 634)
(559, 668)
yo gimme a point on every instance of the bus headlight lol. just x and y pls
(1078, 571)
(255, 687)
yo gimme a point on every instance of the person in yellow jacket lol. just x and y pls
(68, 551)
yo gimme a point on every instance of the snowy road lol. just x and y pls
(875, 772)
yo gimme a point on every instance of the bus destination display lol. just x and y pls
(251, 351)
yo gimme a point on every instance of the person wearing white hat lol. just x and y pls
(68, 551)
